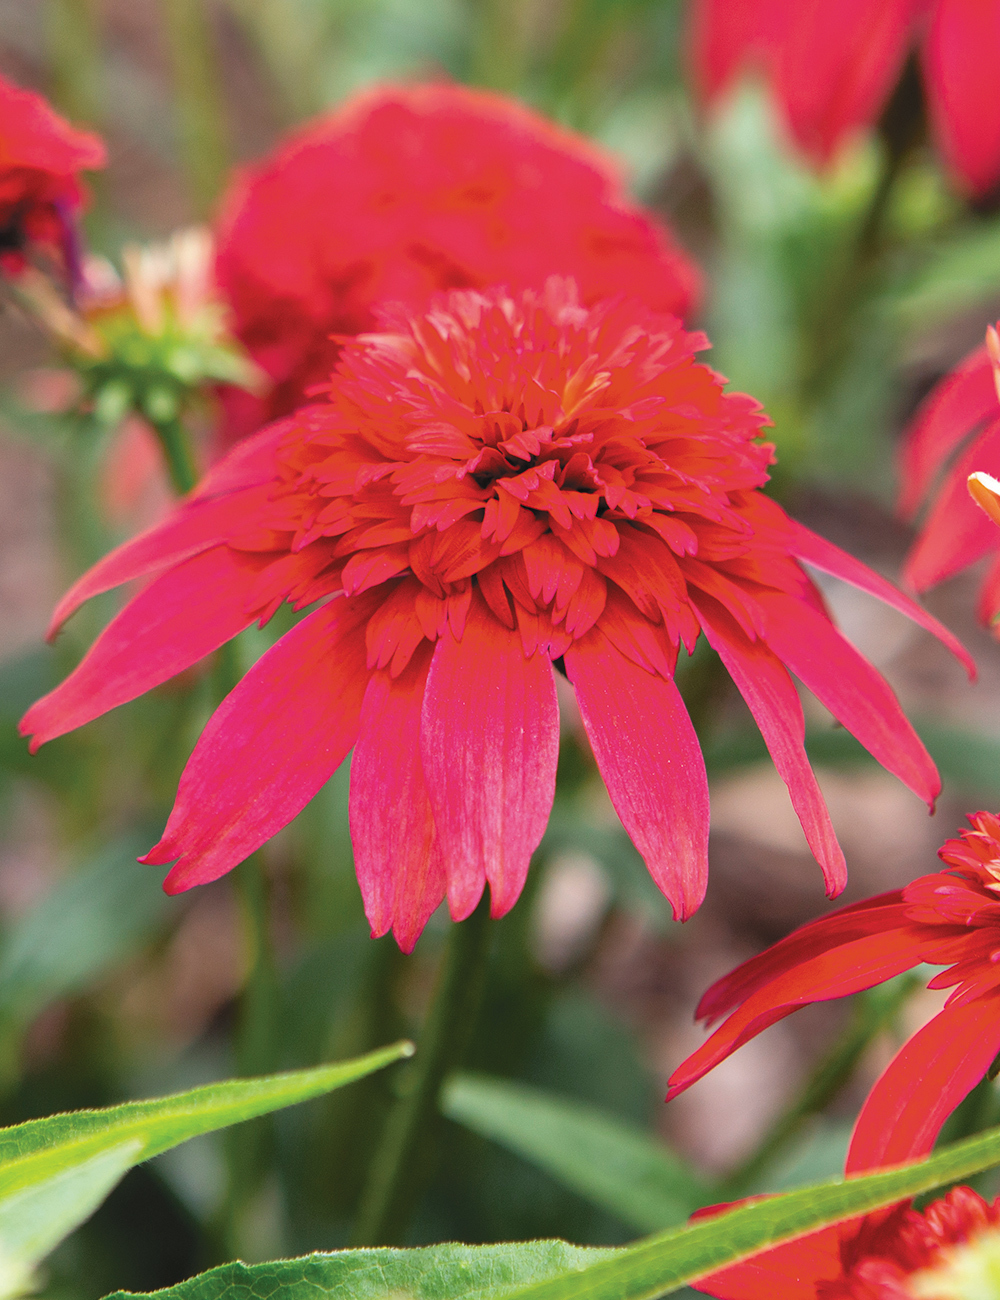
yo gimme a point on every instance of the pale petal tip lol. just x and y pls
(985, 491)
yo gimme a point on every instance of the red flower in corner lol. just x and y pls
(404, 192)
(500, 485)
(963, 408)
(41, 157)
(902, 1254)
(950, 919)
(833, 67)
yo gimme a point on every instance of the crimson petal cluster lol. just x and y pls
(498, 485)
(950, 919)
(406, 191)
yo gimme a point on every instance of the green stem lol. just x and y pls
(874, 1011)
(400, 1164)
(178, 453)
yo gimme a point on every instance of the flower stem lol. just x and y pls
(178, 454)
(400, 1164)
(874, 1011)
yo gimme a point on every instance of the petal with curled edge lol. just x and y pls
(269, 746)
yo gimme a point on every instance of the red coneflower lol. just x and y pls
(833, 67)
(406, 191)
(500, 484)
(41, 157)
(948, 1250)
(951, 919)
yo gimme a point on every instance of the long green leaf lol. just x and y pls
(613, 1164)
(55, 1171)
(551, 1270)
(663, 1263)
(428, 1273)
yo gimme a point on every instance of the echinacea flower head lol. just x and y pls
(957, 431)
(834, 66)
(405, 191)
(41, 157)
(948, 1251)
(949, 919)
(496, 487)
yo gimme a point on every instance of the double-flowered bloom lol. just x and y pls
(403, 192)
(496, 487)
(949, 1250)
(41, 157)
(834, 66)
(950, 919)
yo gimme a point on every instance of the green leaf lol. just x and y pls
(613, 1164)
(55, 1171)
(428, 1273)
(663, 1263)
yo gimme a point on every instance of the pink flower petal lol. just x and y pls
(923, 1083)
(774, 703)
(960, 73)
(851, 689)
(489, 740)
(957, 532)
(823, 555)
(726, 35)
(268, 747)
(838, 65)
(177, 620)
(651, 762)
(952, 411)
(399, 866)
(848, 968)
(189, 530)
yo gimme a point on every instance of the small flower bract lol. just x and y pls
(951, 919)
(405, 191)
(497, 486)
(41, 157)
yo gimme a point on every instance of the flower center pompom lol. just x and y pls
(560, 460)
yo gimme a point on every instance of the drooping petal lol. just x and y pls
(823, 555)
(651, 762)
(846, 969)
(838, 65)
(957, 532)
(187, 531)
(268, 747)
(181, 617)
(872, 916)
(847, 684)
(952, 411)
(923, 1083)
(774, 703)
(988, 600)
(960, 73)
(489, 740)
(399, 866)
